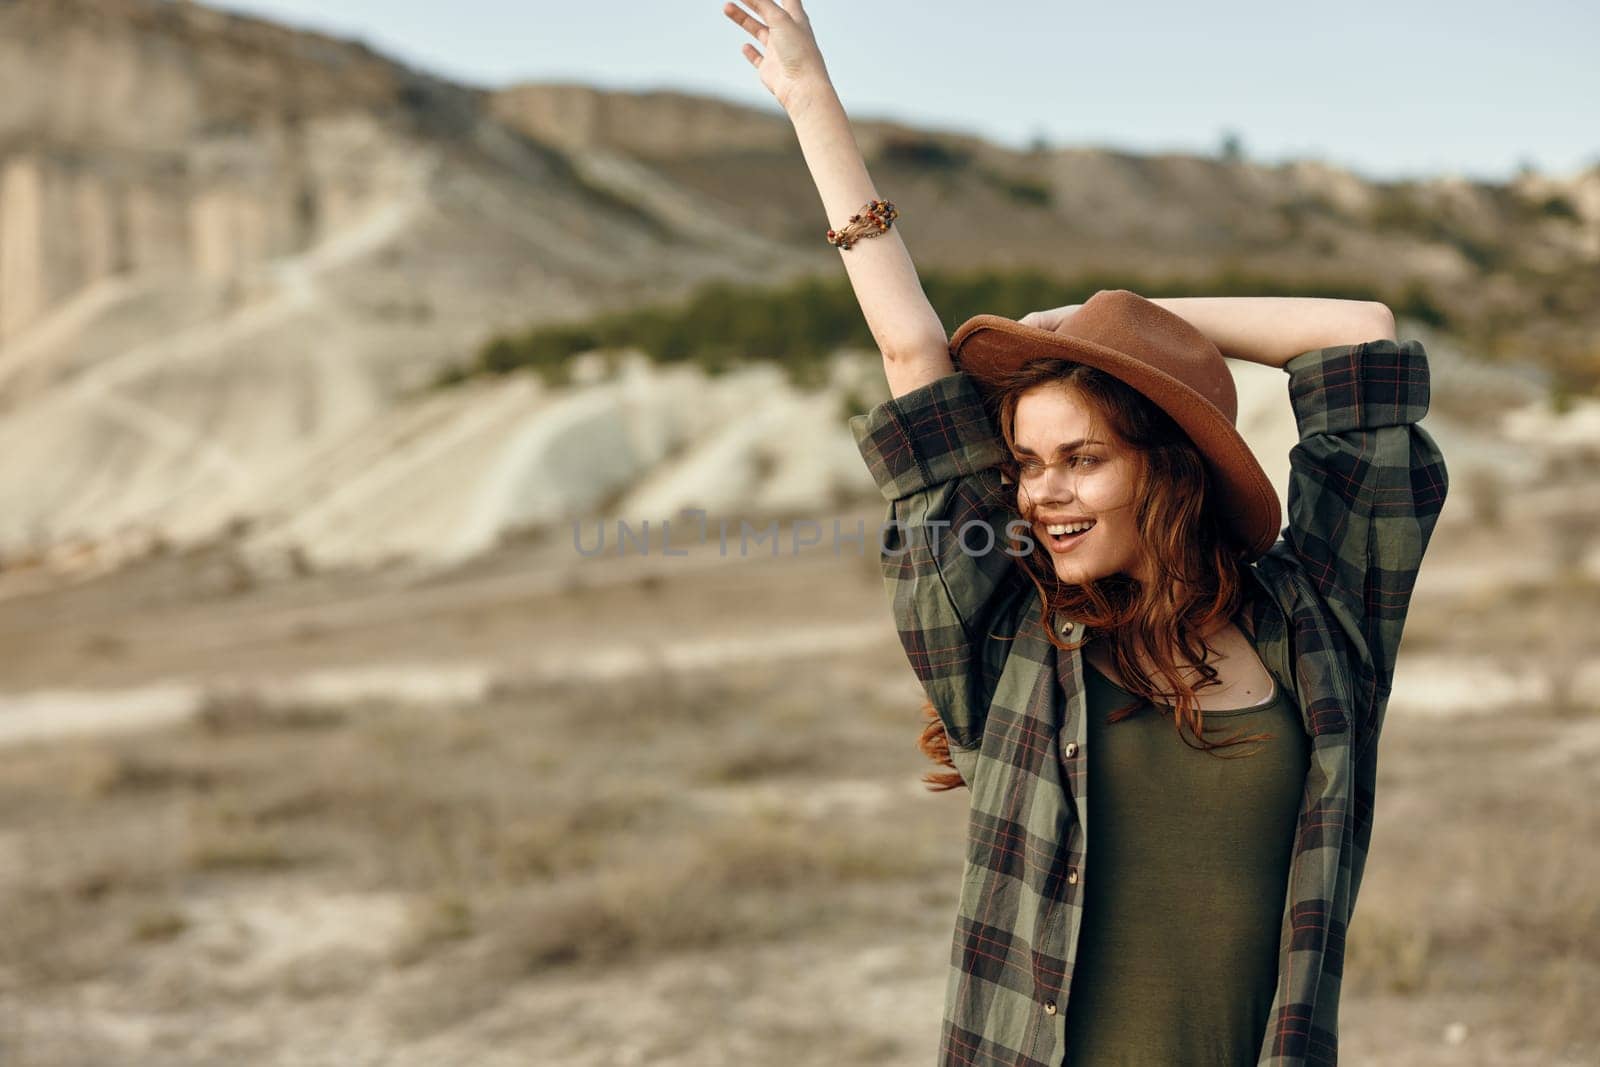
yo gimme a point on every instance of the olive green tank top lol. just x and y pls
(1184, 885)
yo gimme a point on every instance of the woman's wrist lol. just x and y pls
(806, 97)
(834, 159)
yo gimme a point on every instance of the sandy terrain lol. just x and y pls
(271, 796)
(665, 810)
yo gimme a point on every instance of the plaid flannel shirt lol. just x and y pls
(1326, 604)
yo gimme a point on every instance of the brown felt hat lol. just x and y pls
(1165, 358)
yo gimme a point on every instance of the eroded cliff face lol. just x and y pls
(177, 189)
(227, 247)
(656, 124)
(142, 138)
(231, 254)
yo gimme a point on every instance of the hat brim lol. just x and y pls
(990, 347)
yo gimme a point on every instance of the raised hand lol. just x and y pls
(1051, 319)
(792, 66)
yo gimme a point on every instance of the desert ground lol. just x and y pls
(544, 808)
(315, 750)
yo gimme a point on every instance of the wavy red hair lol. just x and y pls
(1183, 539)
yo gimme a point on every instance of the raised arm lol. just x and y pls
(1272, 330)
(908, 332)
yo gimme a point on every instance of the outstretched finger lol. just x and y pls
(738, 15)
(768, 10)
(752, 55)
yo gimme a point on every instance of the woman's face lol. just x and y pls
(1075, 470)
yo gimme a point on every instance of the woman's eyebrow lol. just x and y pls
(1068, 447)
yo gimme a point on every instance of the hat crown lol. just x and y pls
(1124, 321)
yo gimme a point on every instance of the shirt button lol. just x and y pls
(1072, 749)
(1072, 876)
(1049, 1007)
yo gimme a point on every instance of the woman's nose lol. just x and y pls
(1059, 485)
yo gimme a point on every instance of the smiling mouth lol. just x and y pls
(1061, 536)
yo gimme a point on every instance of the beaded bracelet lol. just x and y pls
(871, 221)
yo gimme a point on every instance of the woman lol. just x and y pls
(1085, 569)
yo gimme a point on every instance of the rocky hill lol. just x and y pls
(233, 254)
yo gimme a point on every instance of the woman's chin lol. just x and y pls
(1071, 570)
(1082, 572)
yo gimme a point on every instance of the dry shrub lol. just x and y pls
(130, 772)
(51, 939)
(774, 852)
(747, 880)
(221, 837)
(765, 754)
(159, 922)
(292, 802)
(436, 919)
(229, 711)
(631, 710)
(1387, 955)
(1565, 991)
(1546, 902)
(92, 886)
(241, 850)
(621, 915)
(750, 879)
(572, 835)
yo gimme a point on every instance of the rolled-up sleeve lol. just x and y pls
(928, 436)
(1366, 486)
(952, 581)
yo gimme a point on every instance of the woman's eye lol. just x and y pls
(1033, 467)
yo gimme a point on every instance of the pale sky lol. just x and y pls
(1390, 89)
